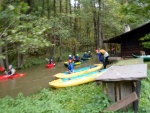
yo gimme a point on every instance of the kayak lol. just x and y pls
(145, 57)
(80, 71)
(2, 68)
(14, 76)
(75, 63)
(50, 65)
(87, 58)
(77, 80)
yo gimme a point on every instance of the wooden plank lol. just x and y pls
(126, 89)
(104, 88)
(117, 90)
(122, 103)
(111, 90)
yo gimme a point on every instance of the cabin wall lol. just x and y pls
(130, 47)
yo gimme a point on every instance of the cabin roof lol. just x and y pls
(135, 33)
(126, 72)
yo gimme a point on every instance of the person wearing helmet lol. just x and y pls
(89, 54)
(77, 58)
(51, 60)
(70, 57)
(70, 66)
(85, 55)
(11, 71)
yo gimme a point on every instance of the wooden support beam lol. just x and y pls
(122, 103)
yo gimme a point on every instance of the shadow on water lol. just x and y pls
(36, 78)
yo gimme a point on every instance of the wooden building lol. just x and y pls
(129, 41)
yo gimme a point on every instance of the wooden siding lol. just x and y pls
(128, 49)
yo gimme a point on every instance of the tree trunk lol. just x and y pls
(42, 8)
(48, 9)
(60, 39)
(54, 8)
(70, 14)
(95, 25)
(100, 42)
(75, 20)
(66, 6)
(6, 55)
(20, 60)
(53, 39)
(31, 4)
(1, 61)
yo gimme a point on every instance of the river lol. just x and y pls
(37, 78)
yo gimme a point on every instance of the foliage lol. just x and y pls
(27, 28)
(145, 40)
(145, 94)
(68, 100)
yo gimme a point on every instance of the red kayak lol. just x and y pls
(50, 65)
(2, 68)
(14, 76)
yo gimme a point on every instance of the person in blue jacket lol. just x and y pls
(85, 55)
(100, 57)
(70, 66)
(70, 57)
(77, 58)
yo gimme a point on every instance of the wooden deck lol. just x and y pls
(122, 79)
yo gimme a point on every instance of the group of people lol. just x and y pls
(102, 55)
(71, 61)
(87, 55)
(75, 58)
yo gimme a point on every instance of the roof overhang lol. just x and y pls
(135, 33)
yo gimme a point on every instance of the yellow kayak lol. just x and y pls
(80, 71)
(78, 80)
(75, 63)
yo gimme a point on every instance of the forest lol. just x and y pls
(35, 29)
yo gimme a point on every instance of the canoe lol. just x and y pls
(2, 68)
(77, 80)
(145, 57)
(50, 65)
(80, 71)
(86, 58)
(76, 63)
(11, 77)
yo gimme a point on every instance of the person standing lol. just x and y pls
(105, 56)
(100, 57)
(70, 67)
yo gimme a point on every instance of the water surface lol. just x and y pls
(37, 78)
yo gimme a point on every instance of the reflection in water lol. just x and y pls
(36, 78)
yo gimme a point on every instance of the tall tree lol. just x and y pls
(100, 41)
(48, 9)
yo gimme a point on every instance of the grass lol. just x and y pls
(86, 98)
(81, 99)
